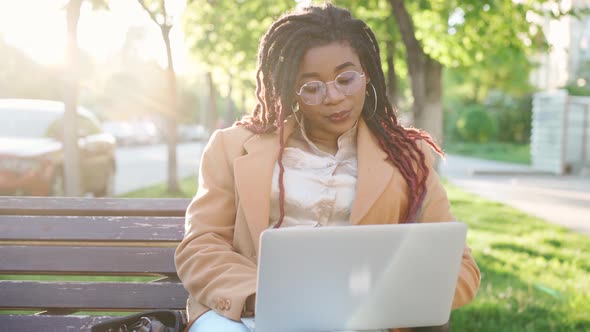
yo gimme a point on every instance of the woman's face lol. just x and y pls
(340, 109)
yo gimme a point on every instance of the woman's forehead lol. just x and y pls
(326, 60)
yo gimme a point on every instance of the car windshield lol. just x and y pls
(27, 123)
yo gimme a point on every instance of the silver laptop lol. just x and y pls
(357, 277)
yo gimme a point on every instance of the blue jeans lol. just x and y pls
(212, 322)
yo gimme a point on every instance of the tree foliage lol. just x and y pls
(483, 44)
(225, 36)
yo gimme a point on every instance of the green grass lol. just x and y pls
(188, 188)
(508, 152)
(535, 276)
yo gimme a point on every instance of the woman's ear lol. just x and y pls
(367, 77)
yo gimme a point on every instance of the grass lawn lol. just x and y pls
(188, 188)
(535, 276)
(514, 153)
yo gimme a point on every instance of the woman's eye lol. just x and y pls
(345, 80)
(310, 88)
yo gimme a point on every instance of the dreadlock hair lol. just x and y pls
(280, 52)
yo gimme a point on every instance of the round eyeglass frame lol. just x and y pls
(325, 88)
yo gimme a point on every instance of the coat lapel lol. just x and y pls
(374, 173)
(253, 178)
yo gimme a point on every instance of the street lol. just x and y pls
(142, 166)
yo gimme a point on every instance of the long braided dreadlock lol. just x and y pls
(281, 50)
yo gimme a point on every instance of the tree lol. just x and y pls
(484, 39)
(159, 12)
(425, 73)
(70, 135)
(225, 35)
(487, 37)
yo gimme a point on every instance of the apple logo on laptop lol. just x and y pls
(359, 282)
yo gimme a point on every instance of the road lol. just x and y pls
(142, 166)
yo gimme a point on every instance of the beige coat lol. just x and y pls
(216, 261)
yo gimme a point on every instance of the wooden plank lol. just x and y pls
(67, 206)
(26, 323)
(68, 228)
(33, 323)
(102, 296)
(86, 260)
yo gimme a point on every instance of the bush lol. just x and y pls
(475, 124)
(513, 116)
(575, 90)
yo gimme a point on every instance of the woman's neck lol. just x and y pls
(324, 142)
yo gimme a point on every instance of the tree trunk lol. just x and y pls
(229, 115)
(431, 116)
(203, 102)
(425, 75)
(392, 84)
(70, 124)
(171, 118)
(212, 109)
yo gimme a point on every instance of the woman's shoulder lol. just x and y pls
(428, 150)
(231, 140)
(233, 134)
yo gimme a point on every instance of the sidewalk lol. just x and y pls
(562, 200)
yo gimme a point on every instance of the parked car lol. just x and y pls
(138, 132)
(32, 153)
(122, 131)
(193, 132)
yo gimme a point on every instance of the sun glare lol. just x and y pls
(38, 28)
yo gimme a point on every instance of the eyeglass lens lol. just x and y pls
(314, 92)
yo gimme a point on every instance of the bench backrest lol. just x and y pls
(77, 250)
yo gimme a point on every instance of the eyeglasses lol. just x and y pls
(347, 83)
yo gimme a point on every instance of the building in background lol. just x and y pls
(560, 136)
(568, 61)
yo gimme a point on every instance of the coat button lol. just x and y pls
(218, 304)
(226, 304)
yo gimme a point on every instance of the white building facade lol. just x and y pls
(560, 138)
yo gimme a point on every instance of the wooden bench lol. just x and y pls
(86, 237)
(89, 237)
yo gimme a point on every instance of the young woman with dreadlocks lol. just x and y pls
(323, 146)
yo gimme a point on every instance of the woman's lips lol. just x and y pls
(339, 117)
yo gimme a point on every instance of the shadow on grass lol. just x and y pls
(562, 259)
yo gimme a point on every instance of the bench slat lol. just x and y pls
(86, 260)
(68, 228)
(30, 323)
(68, 206)
(107, 296)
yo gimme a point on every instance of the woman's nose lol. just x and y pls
(333, 95)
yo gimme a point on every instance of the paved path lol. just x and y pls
(562, 200)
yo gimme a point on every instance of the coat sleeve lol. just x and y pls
(213, 273)
(436, 207)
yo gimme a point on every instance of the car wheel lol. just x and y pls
(57, 186)
(109, 184)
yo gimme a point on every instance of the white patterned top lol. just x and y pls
(319, 186)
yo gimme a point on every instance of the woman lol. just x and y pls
(322, 147)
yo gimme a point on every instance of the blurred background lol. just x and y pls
(139, 85)
(119, 97)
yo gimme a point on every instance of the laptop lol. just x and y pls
(357, 277)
